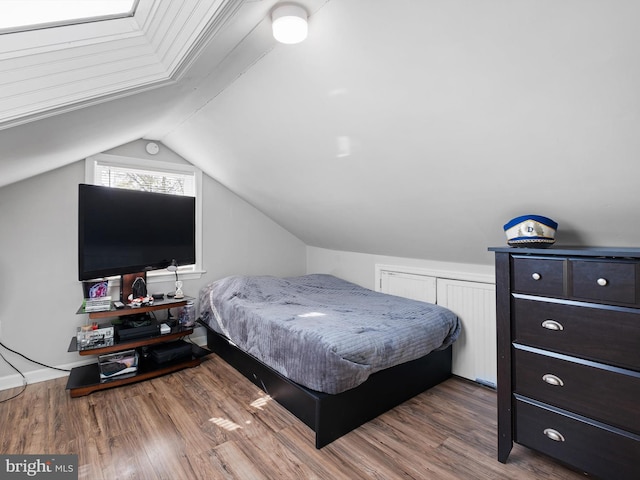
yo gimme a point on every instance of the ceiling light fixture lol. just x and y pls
(289, 23)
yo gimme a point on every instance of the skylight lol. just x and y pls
(22, 15)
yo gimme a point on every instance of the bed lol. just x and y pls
(333, 353)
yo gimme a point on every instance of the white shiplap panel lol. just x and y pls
(49, 40)
(86, 68)
(127, 47)
(416, 287)
(474, 353)
(72, 89)
(470, 296)
(178, 35)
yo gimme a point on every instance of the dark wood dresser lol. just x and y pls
(568, 323)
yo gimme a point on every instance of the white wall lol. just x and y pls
(38, 259)
(359, 268)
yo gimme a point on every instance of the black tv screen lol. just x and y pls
(127, 231)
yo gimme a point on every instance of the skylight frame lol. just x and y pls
(41, 58)
(68, 22)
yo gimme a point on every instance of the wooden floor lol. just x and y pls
(210, 423)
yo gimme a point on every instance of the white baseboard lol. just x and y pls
(40, 375)
(44, 374)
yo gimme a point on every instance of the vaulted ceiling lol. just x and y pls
(407, 128)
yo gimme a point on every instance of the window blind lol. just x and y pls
(175, 183)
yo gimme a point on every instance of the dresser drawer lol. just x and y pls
(605, 452)
(600, 281)
(600, 392)
(603, 334)
(538, 275)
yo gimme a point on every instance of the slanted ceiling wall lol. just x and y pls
(408, 128)
(418, 128)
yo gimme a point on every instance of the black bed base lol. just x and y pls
(332, 416)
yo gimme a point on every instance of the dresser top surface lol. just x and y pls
(625, 252)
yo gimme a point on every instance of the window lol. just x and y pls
(152, 176)
(144, 179)
(22, 15)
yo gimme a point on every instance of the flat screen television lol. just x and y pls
(127, 231)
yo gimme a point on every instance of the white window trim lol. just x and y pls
(22, 18)
(187, 272)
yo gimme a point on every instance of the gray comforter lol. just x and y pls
(323, 332)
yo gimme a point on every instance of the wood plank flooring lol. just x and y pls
(211, 423)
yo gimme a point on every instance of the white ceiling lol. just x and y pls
(407, 128)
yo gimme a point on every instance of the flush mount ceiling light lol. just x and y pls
(289, 23)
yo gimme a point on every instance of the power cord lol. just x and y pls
(24, 379)
(33, 361)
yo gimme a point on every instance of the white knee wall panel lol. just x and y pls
(470, 296)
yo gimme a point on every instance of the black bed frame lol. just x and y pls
(332, 416)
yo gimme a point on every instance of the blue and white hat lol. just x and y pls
(530, 231)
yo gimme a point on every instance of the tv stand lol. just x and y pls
(137, 320)
(86, 379)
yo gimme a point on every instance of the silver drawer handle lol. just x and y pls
(552, 325)
(551, 379)
(554, 435)
(536, 276)
(602, 282)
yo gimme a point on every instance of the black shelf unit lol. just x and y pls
(86, 379)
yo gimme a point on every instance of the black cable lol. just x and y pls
(24, 380)
(31, 360)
